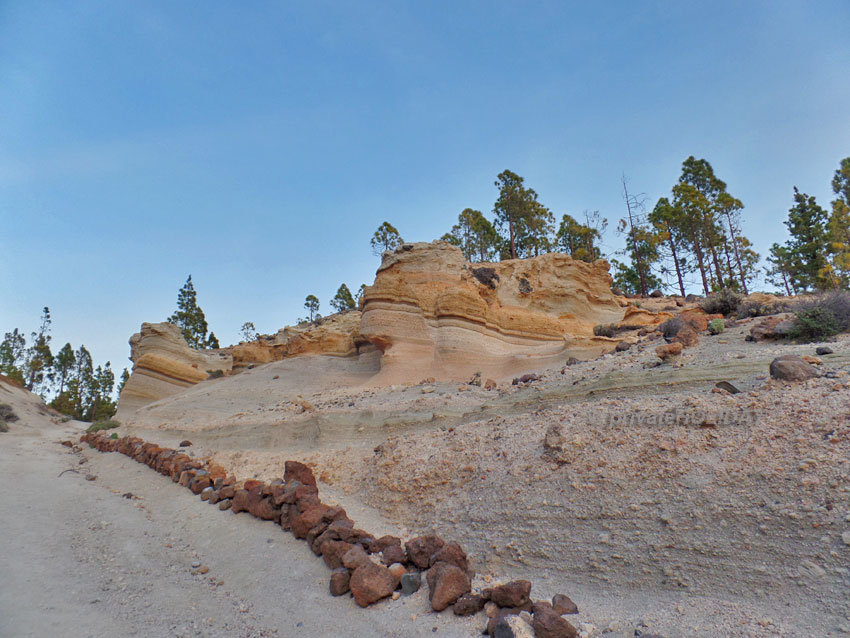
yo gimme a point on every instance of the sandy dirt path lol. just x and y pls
(80, 559)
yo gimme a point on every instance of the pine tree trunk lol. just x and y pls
(738, 256)
(676, 262)
(701, 265)
(717, 270)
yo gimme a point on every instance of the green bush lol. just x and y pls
(822, 317)
(716, 326)
(724, 303)
(106, 424)
(605, 330)
(814, 324)
(113, 436)
(756, 309)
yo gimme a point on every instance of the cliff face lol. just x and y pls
(433, 314)
(163, 364)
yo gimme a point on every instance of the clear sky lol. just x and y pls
(257, 145)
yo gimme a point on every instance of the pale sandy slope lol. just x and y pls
(78, 559)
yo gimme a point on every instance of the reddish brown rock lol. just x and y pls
(547, 623)
(302, 522)
(451, 553)
(199, 484)
(251, 484)
(468, 605)
(293, 470)
(687, 336)
(243, 500)
(669, 350)
(355, 557)
(792, 368)
(513, 594)
(564, 604)
(393, 554)
(379, 545)
(370, 582)
(333, 551)
(421, 548)
(446, 583)
(264, 509)
(340, 580)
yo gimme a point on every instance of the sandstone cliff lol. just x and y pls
(163, 364)
(433, 314)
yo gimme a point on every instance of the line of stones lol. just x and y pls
(369, 568)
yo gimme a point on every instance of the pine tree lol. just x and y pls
(578, 240)
(343, 300)
(529, 223)
(63, 365)
(839, 224)
(125, 376)
(311, 303)
(13, 355)
(249, 332)
(780, 272)
(191, 320)
(360, 292)
(386, 238)
(474, 235)
(38, 367)
(809, 244)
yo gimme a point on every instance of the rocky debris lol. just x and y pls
(475, 380)
(333, 551)
(687, 336)
(393, 554)
(370, 583)
(398, 570)
(513, 594)
(622, 346)
(524, 379)
(563, 604)
(410, 583)
(185, 443)
(656, 294)
(823, 350)
(355, 557)
(792, 368)
(548, 623)
(772, 327)
(295, 471)
(468, 605)
(450, 553)
(728, 387)
(554, 440)
(669, 350)
(446, 583)
(506, 625)
(489, 384)
(421, 548)
(378, 545)
(340, 579)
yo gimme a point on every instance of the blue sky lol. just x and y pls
(258, 145)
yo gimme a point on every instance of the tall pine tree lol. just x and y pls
(190, 319)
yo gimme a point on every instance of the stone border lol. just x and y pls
(370, 568)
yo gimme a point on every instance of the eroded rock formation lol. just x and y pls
(163, 364)
(433, 314)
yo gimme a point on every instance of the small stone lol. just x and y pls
(468, 605)
(196, 563)
(355, 557)
(513, 594)
(393, 554)
(668, 351)
(725, 385)
(225, 504)
(564, 605)
(396, 595)
(792, 368)
(370, 582)
(90, 477)
(548, 623)
(410, 583)
(823, 350)
(622, 346)
(206, 493)
(340, 579)
(185, 443)
(398, 570)
(421, 548)
(845, 538)
(446, 583)
(203, 569)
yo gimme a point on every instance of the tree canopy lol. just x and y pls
(191, 320)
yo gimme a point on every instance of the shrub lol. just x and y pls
(113, 436)
(822, 317)
(106, 424)
(716, 326)
(671, 327)
(4, 427)
(724, 303)
(756, 309)
(605, 330)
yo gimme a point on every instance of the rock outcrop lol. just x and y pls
(433, 314)
(337, 335)
(163, 365)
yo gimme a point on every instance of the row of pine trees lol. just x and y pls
(691, 238)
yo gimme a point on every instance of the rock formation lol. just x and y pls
(433, 314)
(163, 364)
